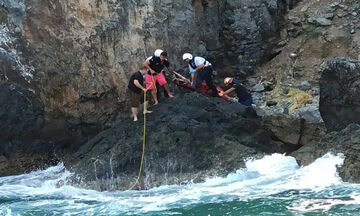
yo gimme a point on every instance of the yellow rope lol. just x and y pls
(143, 147)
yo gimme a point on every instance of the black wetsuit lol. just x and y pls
(242, 93)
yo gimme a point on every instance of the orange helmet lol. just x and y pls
(228, 80)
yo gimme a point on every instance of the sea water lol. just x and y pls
(273, 185)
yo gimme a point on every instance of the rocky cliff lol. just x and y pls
(188, 138)
(65, 64)
(345, 142)
(339, 101)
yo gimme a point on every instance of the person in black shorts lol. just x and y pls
(136, 92)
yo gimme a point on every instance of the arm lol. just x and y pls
(200, 67)
(196, 70)
(147, 65)
(137, 84)
(228, 91)
(192, 74)
(192, 77)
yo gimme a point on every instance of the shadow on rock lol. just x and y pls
(187, 138)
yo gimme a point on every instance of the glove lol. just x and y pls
(192, 71)
(234, 99)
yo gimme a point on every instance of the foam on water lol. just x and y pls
(269, 176)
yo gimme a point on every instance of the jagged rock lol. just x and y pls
(329, 16)
(186, 136)
(258, 88)
(346, 142)
(77, 56)
(21, 117)
(269, 86)
(310, 113)
(285, 128)
(339, 93)
(320, 21)
(304, 85)
(21, 113)
(295, 20)
(334, 4)
(271, 103)
(293, 132)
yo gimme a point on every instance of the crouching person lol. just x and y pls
(136, 92)
(241, 92)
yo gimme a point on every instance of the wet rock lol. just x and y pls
(77, 56)
(294, 132)
(285, 128)
(186, 135)
(21, 113)
(346, 142)
(339, 93)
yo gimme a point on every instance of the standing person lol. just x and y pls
(137, 91)
(156, 64)
(241, 92)
(204, 72)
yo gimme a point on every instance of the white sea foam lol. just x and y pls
(268, 176)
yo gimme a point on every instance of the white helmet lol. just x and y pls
(187, 56)
(158, 52)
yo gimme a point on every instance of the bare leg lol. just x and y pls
(134, 113)
(145, 108)
(166, 87)
(154, 96)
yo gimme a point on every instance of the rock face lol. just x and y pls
(74, 58)
(339, 93)
(21, 115)
(187, 138)
(346, 142)
(339, 107)
(292, 133)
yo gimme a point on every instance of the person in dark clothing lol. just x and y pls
(156, 64)
(136, 92)
(204, 72)
(241, 92)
